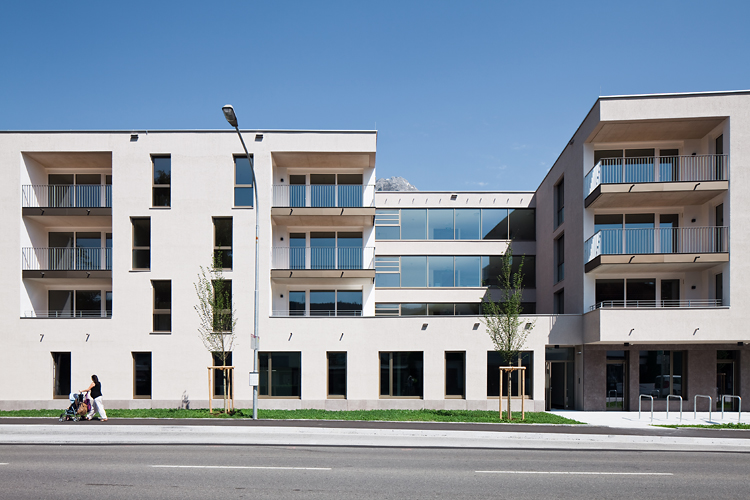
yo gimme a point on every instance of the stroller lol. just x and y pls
(79, 407)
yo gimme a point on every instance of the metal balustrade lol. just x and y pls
(285, 313)
(62, 314)
(66, 259)
(323, 196)
(66, 196)
(658, 240)
(651, 304)
(323, 258)
(693, 168)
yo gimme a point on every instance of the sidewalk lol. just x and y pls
(606, 431)
(631, 420)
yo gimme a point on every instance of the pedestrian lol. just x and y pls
(96, 395)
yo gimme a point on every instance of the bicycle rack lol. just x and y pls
(710, 404)
(678, 397)
(739, 408)
(640, 399)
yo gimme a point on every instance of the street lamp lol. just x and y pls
(232, 119)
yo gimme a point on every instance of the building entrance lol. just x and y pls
(617, 381)
(559, 377)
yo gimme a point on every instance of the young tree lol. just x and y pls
(502, 319)
(217, 315)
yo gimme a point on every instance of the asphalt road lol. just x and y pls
(260, 472)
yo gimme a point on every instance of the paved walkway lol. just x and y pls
(631, 419)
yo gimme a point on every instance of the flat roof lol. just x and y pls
(676, 94)
(188, 131)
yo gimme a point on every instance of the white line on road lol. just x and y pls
(4, 463)
(576, 473)
(235, 467)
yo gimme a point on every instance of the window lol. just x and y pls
(440, 271)
(662, 373)
(414, 224)
(558, 307)
(559, 203)
(495, 361)
(142, 375)
(455, 374)
(162, 305)
(719, 289)
(78, 304)
(468, 225)
(387, 272)
(610, 291)
(332, 303)
(560, 258)
(522, 224)
(221, 375)
(88, 304)
(60, 303)
(161, 196)
(387, 225)
(296, 303)
(280, 374)
(243, 182)
(336, 374)
(60, 374)
(223, 305)
(401, 374)
(223, 242)
(141, 243)
(494, 223)
(440, 224)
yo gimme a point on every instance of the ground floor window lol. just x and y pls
(401, 374)
(662, 373)
(336, 374)
(220, 375)
(280, 374)
(142, 375)
(495, 361)
(455, 374)
(61, 374)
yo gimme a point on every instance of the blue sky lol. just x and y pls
(464, 95)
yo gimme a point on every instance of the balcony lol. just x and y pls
(286, 313)
(63, 200)
(656, 181)
(323, 205)
(322, 262)
(62, 314)
(51, 262)
(650, 304)
(657, 249)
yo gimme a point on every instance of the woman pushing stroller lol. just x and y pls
(96, 394)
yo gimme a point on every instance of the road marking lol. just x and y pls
(236, 467)
(575, 473)
(4, 463)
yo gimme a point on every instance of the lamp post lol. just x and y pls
(232, 119)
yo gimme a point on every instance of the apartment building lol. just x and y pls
(372, 299)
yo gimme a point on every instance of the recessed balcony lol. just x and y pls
(657, 249)
(51, 263)
(323, 205)
(293, 263)
(63, 200)
(658, 181)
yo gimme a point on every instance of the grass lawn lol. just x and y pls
(374, 415)
(709, 426)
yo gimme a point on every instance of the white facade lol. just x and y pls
(391, 279)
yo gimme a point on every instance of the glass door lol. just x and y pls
(616, 386)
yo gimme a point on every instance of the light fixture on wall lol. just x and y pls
(528, 326)
(476, 326)
(424, 326)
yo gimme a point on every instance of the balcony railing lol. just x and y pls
(323, 258)
(66, 259)
(657, 169)
(66, 196)
(653, 304)
(660, 240)
(96, 313)
(322, 196)
(284, 313)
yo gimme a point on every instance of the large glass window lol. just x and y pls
(387, 225)
(162, 180)
(440, 271)
(387, 272)
(322, 302)
(414, 224)
(468, 271)
(440, 224)
(336, 374)
(141, 243)
(162, 305)
(413, 309)
(662, 373)
(413, 271)
(522, 224)
(640, 292)
(297, 303)
(349, 303)
(610, 291)
(88, 303)
(323, 250)
(223, 242)
(495, 361)
(280, 374)
(401, 374)
(142, 375)
(495, 223)
(349, 250)
(468, 225)
(455, 374)
(243, 182)
(60, 303)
